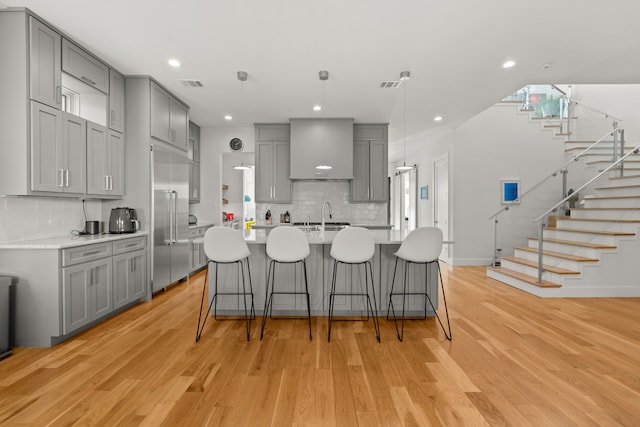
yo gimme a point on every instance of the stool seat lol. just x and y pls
(224, 245)
(354, 246)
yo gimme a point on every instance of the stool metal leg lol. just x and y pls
(331, 298)
(268, 296)
(376, 324)
(204, 287)
(306, 286)
(444, 298)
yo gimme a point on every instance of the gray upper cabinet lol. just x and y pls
(194, 142)
(83, 66)
(194, 167)
(169, 118)
(57, 151)
(45, 83)
(370, 154)
(105, 156)
(272, 156)
(116, 101)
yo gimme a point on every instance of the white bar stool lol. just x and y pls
(285, 245)
(421, 246)
(224, 245)
(354, 246)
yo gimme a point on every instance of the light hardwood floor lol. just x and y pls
(515, 359)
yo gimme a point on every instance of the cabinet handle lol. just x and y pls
(60, 177)
(130, 244)
(88, 80)
(66, 177)
(106, 182)
(91, 253)
(110, 182)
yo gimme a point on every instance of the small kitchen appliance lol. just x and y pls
(91, 227)
(123, 220)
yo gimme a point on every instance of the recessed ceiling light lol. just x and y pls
(174, 63)
(509, 64)
(317, 108)
(228, 117)
(437, 118)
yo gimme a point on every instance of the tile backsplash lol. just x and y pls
(27, 218)
(308, 197)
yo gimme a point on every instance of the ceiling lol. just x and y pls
(453, 49)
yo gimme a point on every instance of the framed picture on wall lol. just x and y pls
(509, 191)
(424, 192)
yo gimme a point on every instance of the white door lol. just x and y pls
(441, 200)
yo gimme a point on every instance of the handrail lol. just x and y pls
(553, 174)
(606, 115)
(636, 150)
(558, 89)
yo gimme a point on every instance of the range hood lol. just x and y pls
(326, 141)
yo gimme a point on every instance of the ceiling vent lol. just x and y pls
(191, 83)
(391, 84)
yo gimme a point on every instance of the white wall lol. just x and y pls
(213, 143)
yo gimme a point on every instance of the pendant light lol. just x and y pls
(324, 76)
(242, 77)
(404, 77)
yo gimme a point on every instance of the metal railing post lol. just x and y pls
(564, 173)
(496, 251)
(540, 234)
(569, 113)
(621, 150)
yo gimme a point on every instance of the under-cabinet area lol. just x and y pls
(70, 283)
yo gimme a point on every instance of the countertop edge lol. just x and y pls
(70, 241)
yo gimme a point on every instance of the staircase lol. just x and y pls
(594, 251)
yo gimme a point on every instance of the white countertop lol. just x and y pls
(69, 241)
(315, 238)
(369, 226)
(201, 224)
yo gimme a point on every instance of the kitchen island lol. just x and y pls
(319, 274)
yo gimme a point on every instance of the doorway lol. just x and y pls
(441, 200)
(406, 202)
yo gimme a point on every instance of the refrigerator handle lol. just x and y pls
(175, 217)
(170, 210)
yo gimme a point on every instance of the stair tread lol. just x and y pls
(524, 277)
(610, 197)
(534, 264)
(624, 177)
(628, 160)
(555, 254)
(576, 243)
(605, 233)
(619, 187)
(605, 209)
(623, 221)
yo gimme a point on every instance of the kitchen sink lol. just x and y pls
(328, 225)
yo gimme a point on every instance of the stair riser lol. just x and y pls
(599, 226)
(608, 214)
(533, 272)
(568, 249)
(635, 180)
(580, 237)
(612, 203)
(617, 192)
(550, 260)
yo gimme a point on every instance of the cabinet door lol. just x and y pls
(76, 282)
(160, 114)
(80, 64)
(360, 184)
(138, 277)
(194, 183)
(121, 274)
(281, 181)
(74, 153)
(98, 179)
(264, 171)
(179, 124)
(196, 144)
(116, 101)
(116, 163)
(102, 288)
(378, 180)
(45, 80)
(47, 173)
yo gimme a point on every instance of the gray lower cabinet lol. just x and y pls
(87, 293)
(73, 287)
(197, 258)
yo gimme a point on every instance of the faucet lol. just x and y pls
(324, 205)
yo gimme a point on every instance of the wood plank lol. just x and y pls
(515, 359)
(555, 254)
(534, 264)
(525, 277)
(575, 243)
(603, 233)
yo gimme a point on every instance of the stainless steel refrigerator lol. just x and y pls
(170, 217)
